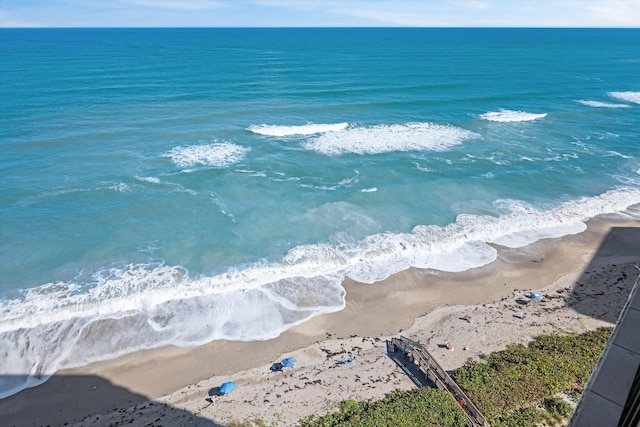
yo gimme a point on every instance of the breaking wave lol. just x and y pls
(511, 116)
(218, 155)
(308, 129)
(387, 138)
(626, 96)
(600, 104)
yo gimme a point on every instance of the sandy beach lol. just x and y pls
(585, 280)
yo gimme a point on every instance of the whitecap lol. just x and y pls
(388, 138)
(218, 154)
(149, 179)
(369, 190)
(308, 129)
(600, 104)
(626, 96)
(511, 116)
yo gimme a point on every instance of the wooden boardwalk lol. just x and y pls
(434, 372)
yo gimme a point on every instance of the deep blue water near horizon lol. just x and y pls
(178, 186)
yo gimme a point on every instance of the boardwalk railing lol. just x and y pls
(434, 372)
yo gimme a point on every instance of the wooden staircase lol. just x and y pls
(434, 372)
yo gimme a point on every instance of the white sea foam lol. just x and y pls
(59, 326)
(612, 153)
(344, 183)
(600, 104)
(511, 116)
(121, 187)
(150, 179)
(422, 168)
(308, 129)
(528, 225)
(626, 96)
(62, 325)
(463, 245)
(387, 138)
(218, 155)
(523, 238)
(369, 190)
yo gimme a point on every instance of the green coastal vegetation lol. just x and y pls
(522, 386)
(519, 386)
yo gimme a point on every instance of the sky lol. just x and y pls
(320, 13)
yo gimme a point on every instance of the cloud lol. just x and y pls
(313, 13)
(294, 4)
(390, 17)
(471, 4)
(616, 12)
(8, 21)
(179, 4)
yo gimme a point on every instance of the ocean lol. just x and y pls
(180, 186)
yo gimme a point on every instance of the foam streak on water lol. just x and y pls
(600, 104)
(512, 116)
(308, 129)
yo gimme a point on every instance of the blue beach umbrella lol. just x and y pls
(227, 387)
(288, 362)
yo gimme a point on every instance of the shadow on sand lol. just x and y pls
(408, 367)
(600, 279)
(91, 401)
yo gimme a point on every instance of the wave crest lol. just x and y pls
(387, 138)
(600, 104)
(218, 155)
(511, 116)
(308, 129)
(627, 96)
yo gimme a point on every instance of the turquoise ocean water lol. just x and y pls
(178, 186)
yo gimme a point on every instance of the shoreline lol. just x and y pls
(426, 306)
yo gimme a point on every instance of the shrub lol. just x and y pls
(515, 377)
(505, 387)
(415, 408)
(557, 407)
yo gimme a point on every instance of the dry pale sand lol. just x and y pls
(585, 279)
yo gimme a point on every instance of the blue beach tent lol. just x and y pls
(288, 362)
(227, 387)
(536, 297)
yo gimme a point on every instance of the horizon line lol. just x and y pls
(320, 27)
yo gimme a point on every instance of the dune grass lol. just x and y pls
(515, 387)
